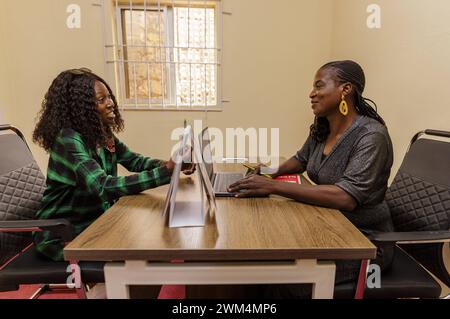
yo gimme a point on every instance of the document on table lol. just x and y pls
(203, 174)
(189, 212)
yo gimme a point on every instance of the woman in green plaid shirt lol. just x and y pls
(78, 118)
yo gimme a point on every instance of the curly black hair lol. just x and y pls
(70, 103)
(347, 72)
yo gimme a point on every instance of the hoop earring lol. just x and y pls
(343, 107)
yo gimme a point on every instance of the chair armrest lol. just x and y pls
(438, 133)
(4, 127)
(416, 237)
(61, 227)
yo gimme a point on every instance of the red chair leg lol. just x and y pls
(361, 285)
(79, 286)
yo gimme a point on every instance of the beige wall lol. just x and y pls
(37, 46)
(270, 56)
(406, 62)
(5, 87)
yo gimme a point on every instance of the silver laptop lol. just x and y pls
(219, 180)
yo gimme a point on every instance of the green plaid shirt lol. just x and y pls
(82, 184)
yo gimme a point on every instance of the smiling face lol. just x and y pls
(326, 94)
(105, 104)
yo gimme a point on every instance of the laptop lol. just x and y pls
(219, 180)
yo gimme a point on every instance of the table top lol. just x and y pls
(272, 228)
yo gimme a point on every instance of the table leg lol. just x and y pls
(116, 282)
(118, 276)
(324, 277)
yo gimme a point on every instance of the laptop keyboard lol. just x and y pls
(222, 181)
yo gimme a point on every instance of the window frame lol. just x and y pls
(170, 101)
(129, 102)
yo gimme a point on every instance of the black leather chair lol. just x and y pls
(419, 201)
(21, 188)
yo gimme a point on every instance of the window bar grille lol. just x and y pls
(218, 56)
(189, 51)
(117, 56)
(177, 52)
(170, 66)
(172, 57)
(134, 63)
(205, 45)
(149, 85)
(151, 46)
(205, 53)
(158, 62)
(160, 56)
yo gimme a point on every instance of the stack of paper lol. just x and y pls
(189, 211)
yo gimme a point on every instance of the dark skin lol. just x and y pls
(105, 106)
(325, 98)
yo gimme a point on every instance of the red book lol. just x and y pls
(293, 178)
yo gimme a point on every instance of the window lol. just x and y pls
(168, 54)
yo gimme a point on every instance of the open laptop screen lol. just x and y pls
(207, 154)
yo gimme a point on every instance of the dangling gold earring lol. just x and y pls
(343, 107)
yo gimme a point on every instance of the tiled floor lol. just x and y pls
(26, 291)
(167, 292)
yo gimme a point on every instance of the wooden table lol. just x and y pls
(249, 241)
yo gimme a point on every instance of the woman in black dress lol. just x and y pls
(348, 154)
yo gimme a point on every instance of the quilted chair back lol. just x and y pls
(21, 188)
(419, 199)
